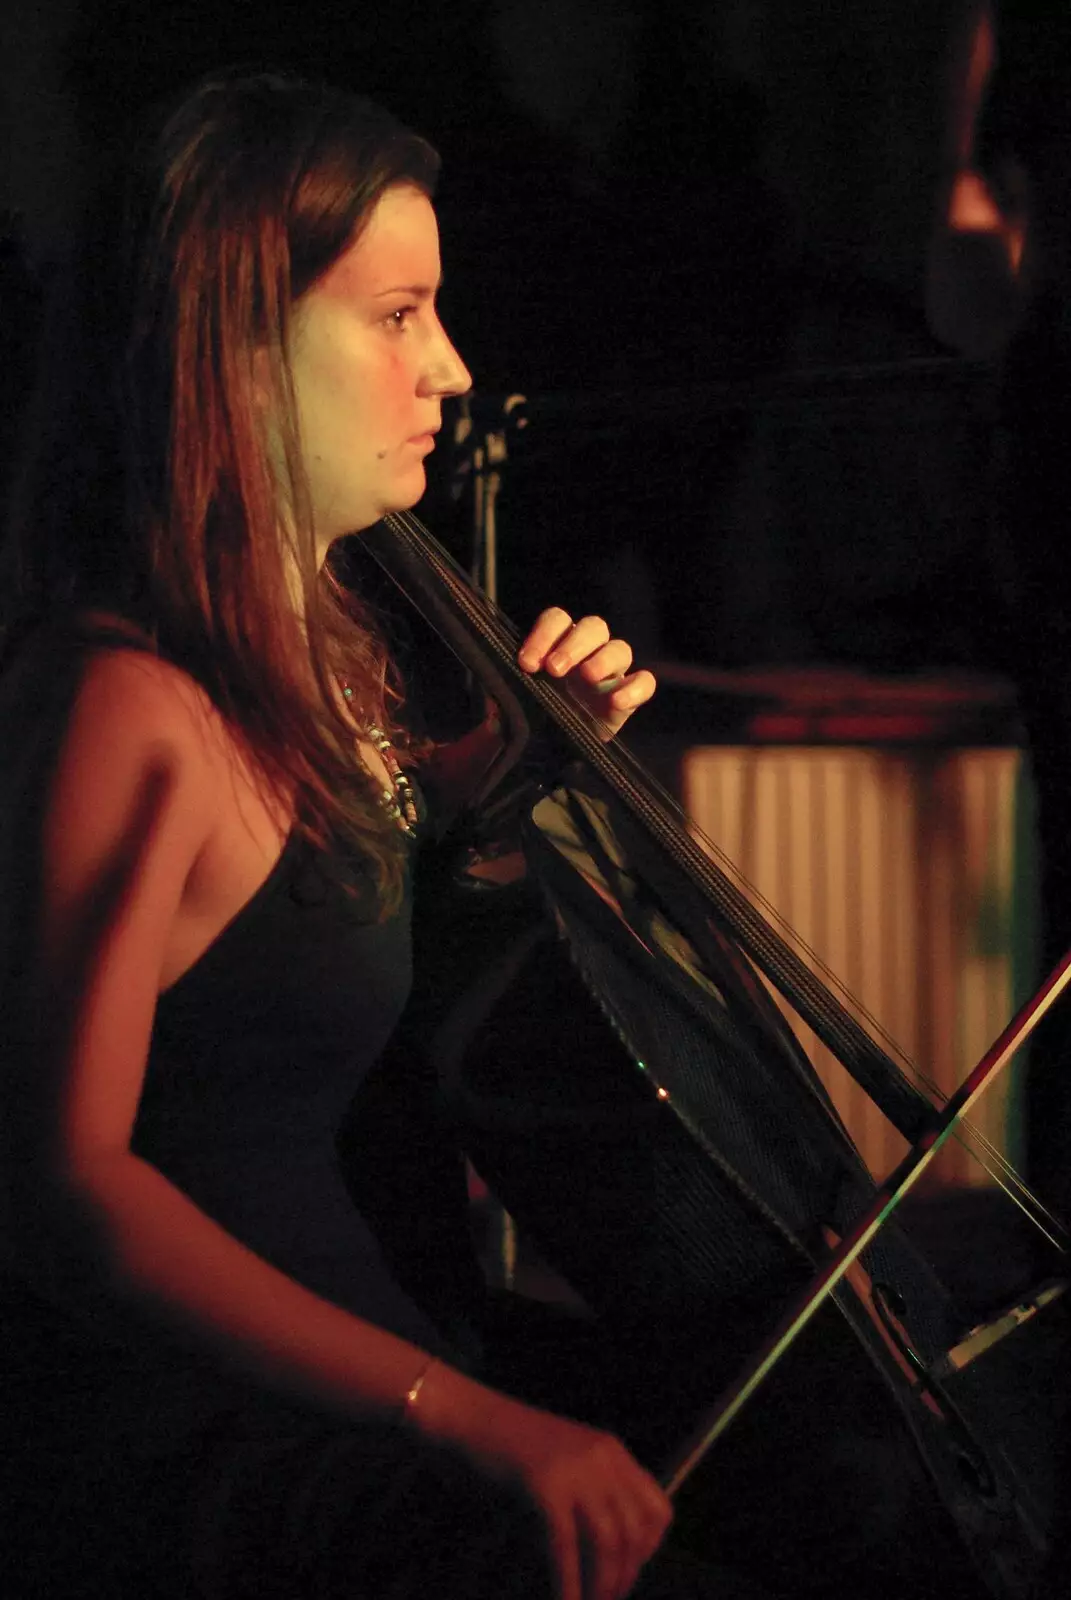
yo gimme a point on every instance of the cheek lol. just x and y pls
(355, 406)
(372, 403)
(392, 390)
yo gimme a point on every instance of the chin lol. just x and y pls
(407, 496)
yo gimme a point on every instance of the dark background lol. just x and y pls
(693, 235)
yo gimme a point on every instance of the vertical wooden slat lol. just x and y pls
(897, 869)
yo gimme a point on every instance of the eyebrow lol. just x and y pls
(419, 291)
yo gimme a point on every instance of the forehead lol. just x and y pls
(398, 248)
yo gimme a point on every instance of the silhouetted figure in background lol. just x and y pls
(1000, 287)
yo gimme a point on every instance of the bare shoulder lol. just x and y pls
(124, 812)
(77, 726)
(133, 710)
(133, 767)
(150, 691)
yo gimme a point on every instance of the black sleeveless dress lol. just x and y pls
(134, 1464)
(257, 1053)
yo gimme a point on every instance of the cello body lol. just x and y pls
(656, 1132)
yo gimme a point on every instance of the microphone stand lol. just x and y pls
(481, 451)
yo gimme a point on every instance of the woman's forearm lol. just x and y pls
(128, 1239)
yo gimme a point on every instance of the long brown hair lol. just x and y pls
(152, 489)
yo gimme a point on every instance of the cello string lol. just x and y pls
(505, 639)
(673, 826)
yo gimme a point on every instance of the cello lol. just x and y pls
(699, 1181)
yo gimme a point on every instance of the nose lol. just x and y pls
(444, 373)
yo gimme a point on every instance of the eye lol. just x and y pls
(398, 320)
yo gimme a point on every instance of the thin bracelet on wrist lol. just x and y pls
(413, 1392)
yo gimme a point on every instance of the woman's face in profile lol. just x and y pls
(371, 364)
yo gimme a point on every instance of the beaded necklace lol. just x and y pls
(397, 801)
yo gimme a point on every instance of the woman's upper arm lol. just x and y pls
(126, 817)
